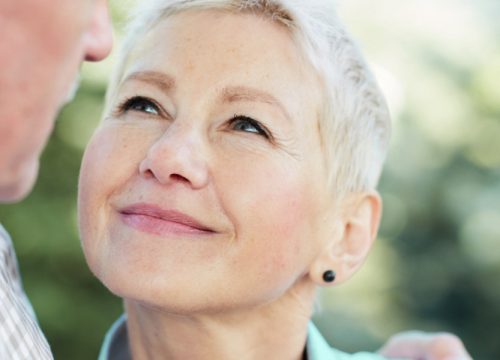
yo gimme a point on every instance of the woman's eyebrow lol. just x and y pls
(158, 79)
(244, 93)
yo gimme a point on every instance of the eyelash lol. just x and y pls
(127, 104)
(261, 130)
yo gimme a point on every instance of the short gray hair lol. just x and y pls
(354, 123)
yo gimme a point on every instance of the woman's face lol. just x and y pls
(204, 188)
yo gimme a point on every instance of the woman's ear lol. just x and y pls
(351, 239)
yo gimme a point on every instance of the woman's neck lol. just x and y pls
(277, 330)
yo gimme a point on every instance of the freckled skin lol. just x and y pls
(267, 200)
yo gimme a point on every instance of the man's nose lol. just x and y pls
(98, 40)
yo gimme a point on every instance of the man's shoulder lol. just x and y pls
(4, 235)
(22, 337)
(6, 247)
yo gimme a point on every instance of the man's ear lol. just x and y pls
(355, 230)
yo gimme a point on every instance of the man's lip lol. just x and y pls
(169, 215)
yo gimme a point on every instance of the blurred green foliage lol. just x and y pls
(437, 262)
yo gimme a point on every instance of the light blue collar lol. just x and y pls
(115, 346)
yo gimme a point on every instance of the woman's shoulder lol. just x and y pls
(319, 349)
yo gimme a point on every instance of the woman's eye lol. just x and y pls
(246, 124)
(140, 104)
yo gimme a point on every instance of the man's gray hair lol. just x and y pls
(354, 122)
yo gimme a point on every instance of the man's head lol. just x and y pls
(41, 48)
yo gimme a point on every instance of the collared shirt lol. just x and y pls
(115, 346)
(20, 335)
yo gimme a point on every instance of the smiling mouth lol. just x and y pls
(157, 221)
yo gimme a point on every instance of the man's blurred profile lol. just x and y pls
(41, 47)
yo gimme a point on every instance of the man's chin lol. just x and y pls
(18, 185)
(73, 89)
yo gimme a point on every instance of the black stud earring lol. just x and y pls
(329, 276)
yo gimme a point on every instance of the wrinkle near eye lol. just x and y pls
(290, 147)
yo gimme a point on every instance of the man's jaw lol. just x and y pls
(70, 95)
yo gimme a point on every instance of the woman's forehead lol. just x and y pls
(198, 37)
(226, 50)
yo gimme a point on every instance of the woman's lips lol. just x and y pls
(155, 220)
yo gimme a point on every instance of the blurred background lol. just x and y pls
(436, 263)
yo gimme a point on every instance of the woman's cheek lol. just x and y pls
(111, 152)
(100, 175)
(279, 204)
(92, 173)
(285, 245)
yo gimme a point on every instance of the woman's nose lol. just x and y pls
(177, 157)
